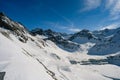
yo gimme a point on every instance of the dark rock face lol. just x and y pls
(37, 31)
(14, 27)
(47, 33)
(2, 74)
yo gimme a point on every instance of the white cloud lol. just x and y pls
(111, 26)
(109, 3)
(90, 5)
(115, 11)
(74, 29)
(113, 6)
(70, 28)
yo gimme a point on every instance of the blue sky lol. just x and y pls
(64, 15)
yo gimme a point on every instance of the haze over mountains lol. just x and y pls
(48, 55)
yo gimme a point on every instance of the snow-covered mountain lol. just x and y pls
(58, 38)
(83, 37)
(48, 55)
(110, 44)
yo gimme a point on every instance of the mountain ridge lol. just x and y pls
(48, 55)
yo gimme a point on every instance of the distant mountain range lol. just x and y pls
(48, 55)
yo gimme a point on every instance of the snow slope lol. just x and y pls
(17, 65)
(27, 61)
(39, 59)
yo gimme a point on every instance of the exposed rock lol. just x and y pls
(2, 74)
(15, 27)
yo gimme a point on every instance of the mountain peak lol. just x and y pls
(15, 27)
(2, 14)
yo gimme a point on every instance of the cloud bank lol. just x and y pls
(112, 6)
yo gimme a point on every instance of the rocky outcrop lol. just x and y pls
(2, 74)
(15, 27)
